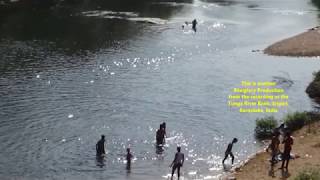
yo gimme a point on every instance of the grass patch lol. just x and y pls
(265, 126)
(309, 174)
(296, 120)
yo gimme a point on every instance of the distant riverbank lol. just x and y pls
(304, 44)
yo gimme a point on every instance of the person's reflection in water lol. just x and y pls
(128, 158)
(100, 161)
(159, 149)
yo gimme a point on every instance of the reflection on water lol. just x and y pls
(72, 73)
(100, 161)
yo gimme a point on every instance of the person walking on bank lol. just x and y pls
(100, 147)
(229, 150)
(177, 162)
(288, 142)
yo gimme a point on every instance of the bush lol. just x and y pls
(316, 76)
(296, 120)
(265, 126)
(313, 89)
(310, 174)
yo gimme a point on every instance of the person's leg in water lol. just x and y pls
(232, 157)
(178, 169)
(173, 170)
(225, 157)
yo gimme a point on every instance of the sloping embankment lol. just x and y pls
(304, 44)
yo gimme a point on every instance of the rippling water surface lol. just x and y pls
(65, 80)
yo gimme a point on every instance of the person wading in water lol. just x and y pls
(229, 150)
(177, 163)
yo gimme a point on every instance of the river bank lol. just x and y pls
(305, 148)
(304, 44)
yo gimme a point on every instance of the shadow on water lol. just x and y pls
(62, 22)
(60, 26)
(317, 4)
(222, 2)
(100, 161)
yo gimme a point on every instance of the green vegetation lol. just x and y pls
(309, 174)
(296, 120)
(265, 126)
(293, 121)
(313, 90)
(316, 76)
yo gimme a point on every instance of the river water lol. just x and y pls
(67, 79)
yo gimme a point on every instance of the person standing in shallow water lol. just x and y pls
(229, 150)
(194, 25)
(160, 135)
(100, 146)
(128, 158)
(177, 162)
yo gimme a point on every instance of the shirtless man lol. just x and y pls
(229, 150)
(177, 163)
(100, 146)
(274, 147)
(288, 142)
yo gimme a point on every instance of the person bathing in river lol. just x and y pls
(164, 132)
(177, 162)
(194, 25)
(229, 150)
(128, 158)
(100, 151)
(160, 135)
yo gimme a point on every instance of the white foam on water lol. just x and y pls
(130, 16)
(70, 116)
(289, 12)
(97, 13)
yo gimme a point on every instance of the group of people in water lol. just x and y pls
(276, 154)
(194, 25)
(177, 163)
(178, 160)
